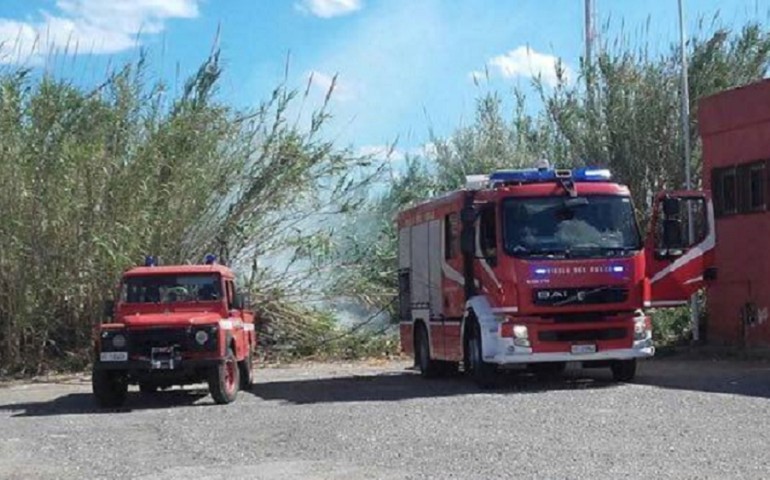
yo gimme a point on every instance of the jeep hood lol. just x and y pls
(180, 319)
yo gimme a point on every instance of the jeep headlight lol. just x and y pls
(201, 337)
(119, 340)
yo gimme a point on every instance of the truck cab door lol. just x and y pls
(679, 257)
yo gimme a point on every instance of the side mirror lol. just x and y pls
(672, 234)
(109, 308)
(468, 241)
(672, 207)
(238, 301)
(468, 215)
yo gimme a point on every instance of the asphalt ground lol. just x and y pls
(679, 419)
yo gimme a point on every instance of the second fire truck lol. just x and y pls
(541, 267)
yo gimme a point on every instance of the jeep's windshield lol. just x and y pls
(171, 289)
(585, 226)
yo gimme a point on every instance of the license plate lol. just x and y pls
(583, 349)
(113, 356)
(162, 358)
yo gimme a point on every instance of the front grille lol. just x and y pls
(556, 297)
(582, 335)
(141, 342)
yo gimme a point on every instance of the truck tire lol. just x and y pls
(224, 379)
(484, 374)
(623, 370)
(110, 388)
(429, 368)
(245, 367)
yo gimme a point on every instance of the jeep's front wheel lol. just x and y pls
(110, 388)
(224, 379)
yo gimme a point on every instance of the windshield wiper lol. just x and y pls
(564, 252)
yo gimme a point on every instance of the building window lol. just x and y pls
(757, 187)
(729, 191)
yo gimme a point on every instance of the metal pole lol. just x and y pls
(685, 114)
(589, 30)
(589, 26)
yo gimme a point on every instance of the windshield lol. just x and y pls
(570, 226)
(171, 288)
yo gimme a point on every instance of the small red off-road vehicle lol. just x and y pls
(174, 325)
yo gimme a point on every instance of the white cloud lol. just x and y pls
(329, 8)
(392, 154)
(322, 82)
(426, 150)
(525, 62)
(88, 26)
(381, 152)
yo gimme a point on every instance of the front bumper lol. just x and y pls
(146, 365)
(619, 354)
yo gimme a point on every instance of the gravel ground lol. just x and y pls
(681, 419)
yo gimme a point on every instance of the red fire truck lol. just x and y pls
(540, 267)
(175, 325)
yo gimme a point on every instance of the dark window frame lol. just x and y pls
(725, 173)
(760, 206)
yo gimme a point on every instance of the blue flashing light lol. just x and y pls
(530, 175)
(618, 269)
(544, 175)
(150, 261)
(541, 271)
(210, 259)
(590, 174)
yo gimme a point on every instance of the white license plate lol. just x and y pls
(113, 356)
(583, 349)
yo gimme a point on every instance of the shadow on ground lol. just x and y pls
(719, 377)
(751, 379)
(404, 385)
(735, 378)
(84, 403)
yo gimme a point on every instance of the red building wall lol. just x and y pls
(735, 129)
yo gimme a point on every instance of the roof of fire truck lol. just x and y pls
(541, 181)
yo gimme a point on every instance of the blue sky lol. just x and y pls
(404, 66)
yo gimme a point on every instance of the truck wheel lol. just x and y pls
(429, 368)
(245, 367)
(624, 370)
(483, 373)
(109, 387)
(147, 388)
(224, 379)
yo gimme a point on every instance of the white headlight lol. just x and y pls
(520, 331)
(201, 337)
(119, 341)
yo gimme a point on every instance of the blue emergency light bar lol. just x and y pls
(544, 175)
(150, 261)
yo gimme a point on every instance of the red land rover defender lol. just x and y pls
(174, 325)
